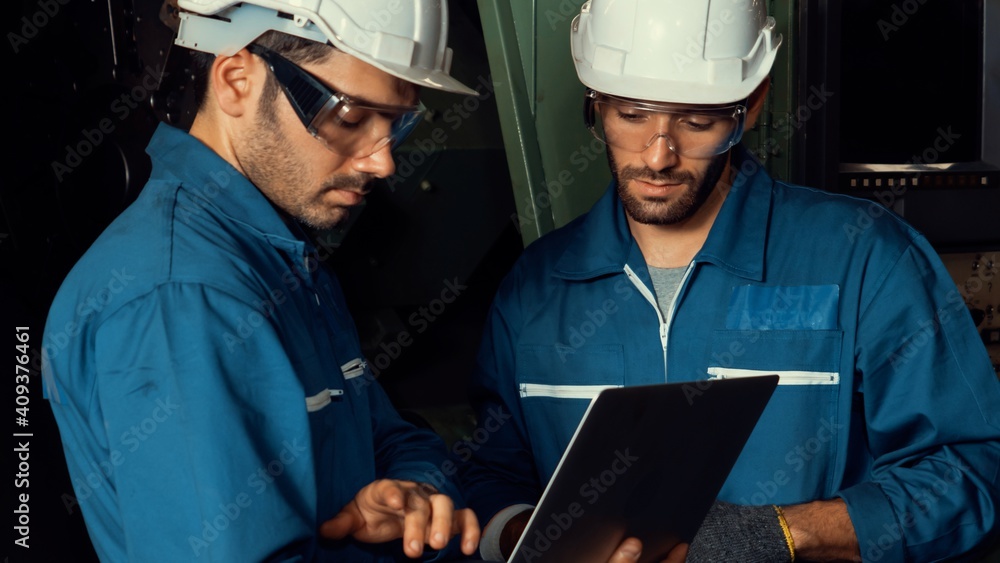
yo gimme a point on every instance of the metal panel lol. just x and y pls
(575, 166)
(517, 123)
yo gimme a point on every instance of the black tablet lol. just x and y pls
(645, 462)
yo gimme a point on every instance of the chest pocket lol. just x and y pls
(791, 331)
(797, 436)
(556, 384)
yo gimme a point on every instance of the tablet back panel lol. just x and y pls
(646, 462)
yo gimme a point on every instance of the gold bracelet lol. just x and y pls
(786, 530)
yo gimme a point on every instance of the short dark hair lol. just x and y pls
(294, 48)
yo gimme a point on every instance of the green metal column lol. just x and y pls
(511, 66)
(558, 168)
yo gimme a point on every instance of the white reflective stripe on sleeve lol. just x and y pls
(793, 377)
(354, 368)
(489, 545)
(562, 391)
(322, 399)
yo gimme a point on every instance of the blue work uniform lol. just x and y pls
(887, 397)
(208, 383)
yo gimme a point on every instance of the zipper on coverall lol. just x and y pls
(664, 323)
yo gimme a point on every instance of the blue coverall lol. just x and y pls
(208, 382)
(887, 396)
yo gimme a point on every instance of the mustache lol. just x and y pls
(647, 174)
(360, 183)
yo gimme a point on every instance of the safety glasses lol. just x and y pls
(692, 131)
(345, 126)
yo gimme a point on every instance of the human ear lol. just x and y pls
(235, 81)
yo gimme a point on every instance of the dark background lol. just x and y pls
(73, 65)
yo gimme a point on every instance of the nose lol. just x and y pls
(379, 164)
(658, 155)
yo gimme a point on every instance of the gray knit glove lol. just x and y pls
(747, 534)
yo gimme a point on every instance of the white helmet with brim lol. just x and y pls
(678, 51)
(405, 38)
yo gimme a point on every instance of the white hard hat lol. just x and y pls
(406, 39)
(681, 51)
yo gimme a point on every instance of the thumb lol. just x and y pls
(678, 554)
(348, 521)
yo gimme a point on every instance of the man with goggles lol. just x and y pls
(696, 265)
(692, 131)
(345, 126)
(273, 440)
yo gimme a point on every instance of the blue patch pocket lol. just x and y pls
(791, 307)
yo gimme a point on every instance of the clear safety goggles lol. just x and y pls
(692, 131)
(345, 126)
